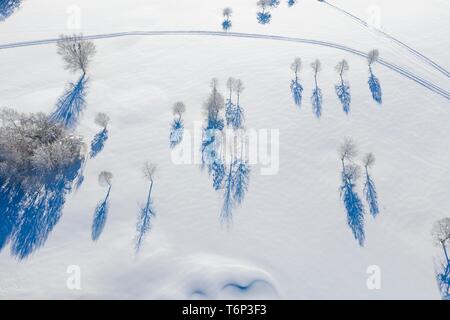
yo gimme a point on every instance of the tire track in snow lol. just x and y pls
(400, 70)
(397, 41)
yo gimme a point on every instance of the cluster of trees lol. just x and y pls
(77, 54)
(263, 16)
(342, 88)
(32, 147)
(374, 83)
(39, 162)
(441, 237)
(352, 202)
(222, 153)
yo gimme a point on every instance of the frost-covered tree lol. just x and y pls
(31, 145)
(226, 24)
(147, 212)
(229, 105)
(98, 143)
(296, 87)
(374, 83)
(441, 237)
(76, 52)
(101, 211)
(316, 97)
(353, 204)
(343, 88)
(39, 161)
(7, 8)
(369, 186)
(177, 126)
(263, 16)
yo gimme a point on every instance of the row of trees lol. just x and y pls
(225, 161)
(342, 88)
(352, 202)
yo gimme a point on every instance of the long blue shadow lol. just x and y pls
(100, 215)
(71, 104)
(8, 7)
(29, 214)
(145, 216)
(98, 143)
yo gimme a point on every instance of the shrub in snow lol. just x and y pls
(374, 83)
(7, 8)
(369, 186)
(343, 88)
(263, 16)
(147, 211)
(316, 97)
(441, 237)
(101, 211)
(177, 126)
(296, 87)
(98, 143)
(39, 161)
(291, 3)
(352, 202)
(226, 24)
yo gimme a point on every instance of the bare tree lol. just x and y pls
(102, 119)
(215, 101)
(347, 150)
(149, 170)
(105, 178)
(316, 66)
(369, 160)
(179, 108)
(32, 145)
(296, 65)
(372, 56)
(342, 66)
(77, 52)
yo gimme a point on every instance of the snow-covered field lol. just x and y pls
(289, 238)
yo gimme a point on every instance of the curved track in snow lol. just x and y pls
(395, 40)
(403, 71)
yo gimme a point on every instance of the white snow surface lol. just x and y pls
(290, 237)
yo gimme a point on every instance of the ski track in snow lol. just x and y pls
(400, 70)
(397, 41)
